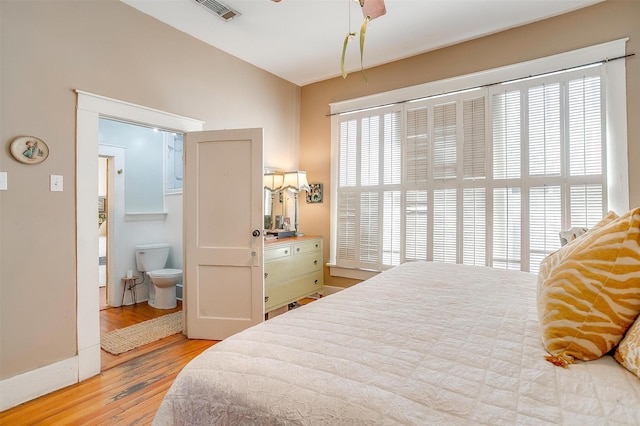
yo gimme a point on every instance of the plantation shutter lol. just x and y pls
(369, 215)
(444, 141)
(417, 146)
(481, 177)
(506, 135)
(544, 143)
(417, 225)
(474, 173)
(444, 225)
(474, 139)
(585, 150)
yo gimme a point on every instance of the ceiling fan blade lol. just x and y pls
(373, 8)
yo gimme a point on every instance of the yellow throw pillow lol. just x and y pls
(628, 352)
(589, 291)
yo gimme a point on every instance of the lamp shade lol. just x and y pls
(273, 181)
(295, 181)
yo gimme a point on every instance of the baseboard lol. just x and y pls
(32, 384)
(328, 289)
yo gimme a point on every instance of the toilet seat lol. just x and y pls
(165, 273)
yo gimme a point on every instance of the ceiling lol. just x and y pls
(301, 40)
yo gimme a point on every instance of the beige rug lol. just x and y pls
(125, 339)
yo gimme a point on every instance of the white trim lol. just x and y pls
(617, 146)
(547, 64)
(90, 108)
(108, 107)
(353, 273)
(32, 384)
(136, 216)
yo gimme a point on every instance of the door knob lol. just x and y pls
(256, 233)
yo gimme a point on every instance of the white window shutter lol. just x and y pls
(347, 222)
(544, 130)
(369, 226)
(545, 221)
(485, 179)
(391, 236)
(370, 151)
(444, 141)
(507, 222)
(585, 126)
(445, 225)
(474, 227)
(416, 225)
(506, 135)
(417, 146)
(586, 205)
(392, 148)
(474, 165)
(348, 153)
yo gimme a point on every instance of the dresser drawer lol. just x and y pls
(289, 291)
(307, 247)
(292, 267)
(278, 252)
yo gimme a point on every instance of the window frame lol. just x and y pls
(613, 88)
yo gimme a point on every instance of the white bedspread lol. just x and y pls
(421, 344)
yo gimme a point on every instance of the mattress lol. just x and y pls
(422, 343)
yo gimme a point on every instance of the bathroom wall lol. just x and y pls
(149, 216)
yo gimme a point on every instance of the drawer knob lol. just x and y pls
(298, 249)
(315, 281)
(315, 262)
(266, 298)
(286, 252)
(316, 245)
(266, 274)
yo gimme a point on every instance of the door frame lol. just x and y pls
(90, 108)
(115, 208)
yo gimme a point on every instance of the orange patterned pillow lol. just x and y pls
(589, 290)
(628, 352)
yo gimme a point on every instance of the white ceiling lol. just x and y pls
(301, 40)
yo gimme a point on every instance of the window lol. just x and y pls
(482, 177)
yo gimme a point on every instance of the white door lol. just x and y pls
(223, 242)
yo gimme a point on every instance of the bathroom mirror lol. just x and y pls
(273, 178)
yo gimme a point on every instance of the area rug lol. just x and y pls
(125, 339)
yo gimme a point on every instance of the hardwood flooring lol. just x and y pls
(115, 318)
(130, 387)
(127, 394)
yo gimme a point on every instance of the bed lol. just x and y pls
(422, 343)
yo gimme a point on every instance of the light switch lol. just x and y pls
(3, 181)
(56, 182)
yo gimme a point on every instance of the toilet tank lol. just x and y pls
(151, 257)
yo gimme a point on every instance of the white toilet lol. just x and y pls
(151, 259)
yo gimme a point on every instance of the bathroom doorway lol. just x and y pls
(90, 108)
(133, 208)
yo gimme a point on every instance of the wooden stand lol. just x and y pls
(130, 283)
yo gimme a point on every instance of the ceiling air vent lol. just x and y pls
(219, 9)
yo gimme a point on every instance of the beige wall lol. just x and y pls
(49, 48)
(611, 20)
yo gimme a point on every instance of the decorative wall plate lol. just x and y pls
(29, 149)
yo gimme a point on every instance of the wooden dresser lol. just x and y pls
(292, 270)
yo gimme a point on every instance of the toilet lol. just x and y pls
(151, 259)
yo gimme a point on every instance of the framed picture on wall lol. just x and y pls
(101, 204)
(314, 195)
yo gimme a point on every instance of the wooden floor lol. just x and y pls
(115, 318)
(127, 394)
(131, 386)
